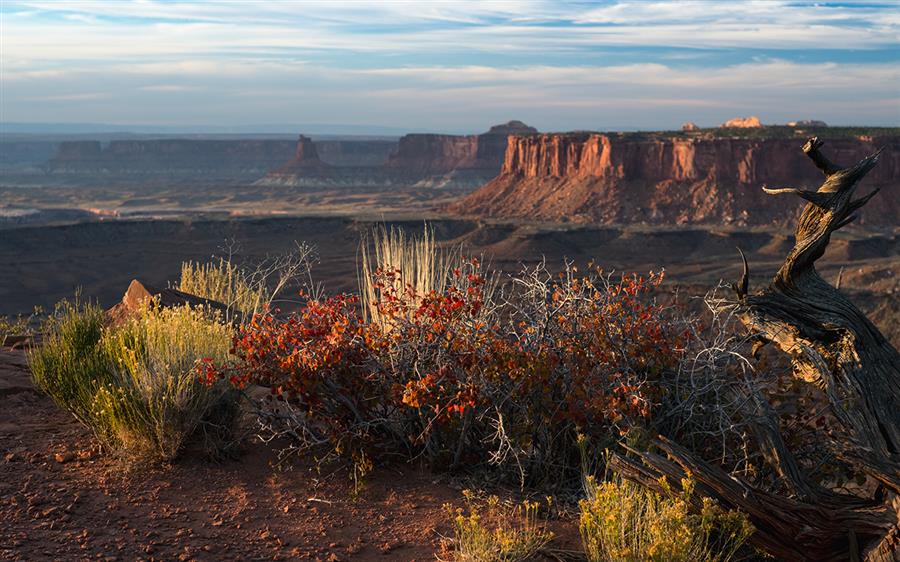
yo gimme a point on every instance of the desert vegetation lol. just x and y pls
(134, 384)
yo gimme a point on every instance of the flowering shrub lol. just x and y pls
(495, 531)
(460, 375)
(623, 522)
(133, 384)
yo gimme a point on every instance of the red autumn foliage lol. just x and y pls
(440, 373)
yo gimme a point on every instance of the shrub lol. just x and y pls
(134, 385)
(70, 365)
(497, 531)
(625, 522)
(224, 282)
(155, 402)
(317, 364)
(247, 289)
(455, 375)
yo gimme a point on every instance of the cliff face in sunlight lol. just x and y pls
(586, 177)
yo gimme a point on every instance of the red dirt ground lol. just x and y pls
(61, 500)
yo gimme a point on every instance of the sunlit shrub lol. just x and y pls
(496, 531)
(154, 401)
(625, 522)
(224, 282)
(247, 289)
(134, 385)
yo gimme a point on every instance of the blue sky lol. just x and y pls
(449, 66)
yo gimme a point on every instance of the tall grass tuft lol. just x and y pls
(625, 522)
(415, 264)
(250, 289)
(135, 385)
(224, 282)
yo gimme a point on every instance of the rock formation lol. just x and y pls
(355, 153)
(419, 160)
(617, 179)
(807, 123)
(690, 126)
(220, 158)
(742, 123)
(139, 295)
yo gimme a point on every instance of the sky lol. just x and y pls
(448, 66)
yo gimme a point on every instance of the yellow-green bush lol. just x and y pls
(496, 531)
(135, 384)
(624, 522)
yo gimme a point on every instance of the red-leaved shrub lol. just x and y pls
(466, 375)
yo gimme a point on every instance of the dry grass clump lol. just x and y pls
(414, 265)
(496, 531)
(248, 289)
(624, 522)
(224, 282)
(135, 385)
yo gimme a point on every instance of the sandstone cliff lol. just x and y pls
(742, 123)
(611, 179)
(424, 160)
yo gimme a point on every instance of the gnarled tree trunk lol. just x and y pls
(832, 344)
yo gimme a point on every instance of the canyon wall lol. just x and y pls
(220, 158)
(419, 160)
(355, 153)
(656, 179)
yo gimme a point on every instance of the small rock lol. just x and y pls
(63, 458)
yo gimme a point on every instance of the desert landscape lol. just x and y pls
(460, 281)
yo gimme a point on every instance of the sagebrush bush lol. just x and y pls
(625, 522)
(495, 531)
(134, 385)
(156, 402)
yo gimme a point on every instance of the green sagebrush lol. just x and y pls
(134, 385)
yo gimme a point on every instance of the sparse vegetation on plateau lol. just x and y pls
(20, 325)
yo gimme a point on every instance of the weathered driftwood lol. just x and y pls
(832, 344)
